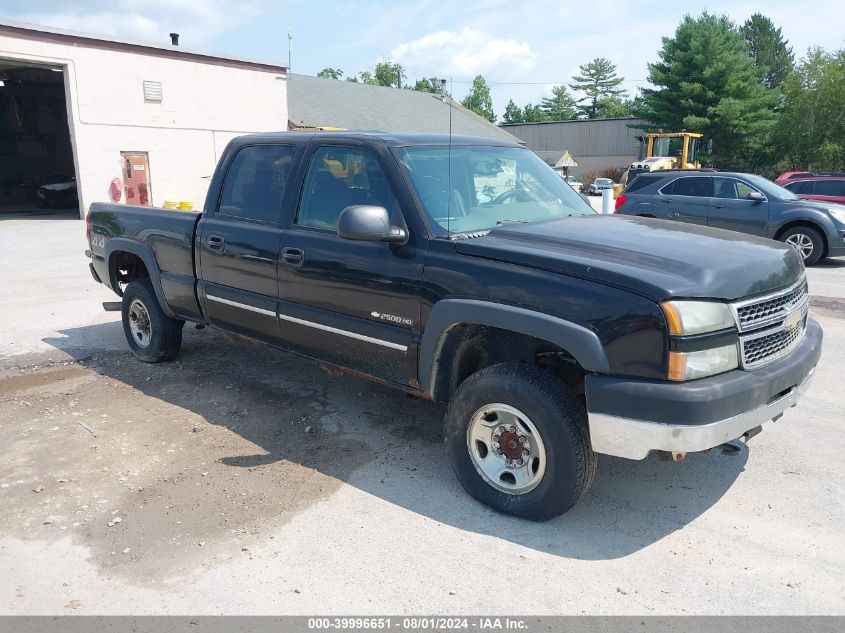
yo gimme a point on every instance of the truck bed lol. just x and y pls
(168, 233)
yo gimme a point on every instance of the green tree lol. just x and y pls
(364, 77)
(706, 82)
(479, 100)
(769, 50)
(390, 74)
(331, 73)
(428, 84)
(560, 106)
(810, 132)
(513, 113)
(598, 80)
(613, 108)
(533, 114)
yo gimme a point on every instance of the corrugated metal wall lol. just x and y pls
(593, 143)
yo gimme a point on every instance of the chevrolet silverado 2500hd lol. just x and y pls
(466, 271)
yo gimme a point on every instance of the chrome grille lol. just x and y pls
(757, 314)
(769, 346)
(772, 326)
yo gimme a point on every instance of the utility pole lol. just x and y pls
(290, 44)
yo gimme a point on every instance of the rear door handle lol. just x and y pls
(216, 243)
(719, 205)
(293, 256)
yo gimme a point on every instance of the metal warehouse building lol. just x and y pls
(98, 118)
(595, 144)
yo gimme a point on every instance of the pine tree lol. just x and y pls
(560, 106)
(533, 114)
(768, 49)
(706, 82)
(597, 81)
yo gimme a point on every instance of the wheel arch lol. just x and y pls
(806, 223)
(445, 354)
(117, 248)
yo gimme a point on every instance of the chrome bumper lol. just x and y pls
(634, 439)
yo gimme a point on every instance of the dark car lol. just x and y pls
(739, 202)
(464, 270)
(823, 188)
(58, 191)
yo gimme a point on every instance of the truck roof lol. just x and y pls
(397, 139)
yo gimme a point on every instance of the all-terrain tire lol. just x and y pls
(570, 464)
(156, 338)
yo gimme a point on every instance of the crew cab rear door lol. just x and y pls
(237, 242)
(352, 303)
(731, 207)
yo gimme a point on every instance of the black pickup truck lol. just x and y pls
(466, 271)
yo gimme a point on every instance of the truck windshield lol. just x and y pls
(487, 187)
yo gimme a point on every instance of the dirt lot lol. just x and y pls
(244, 480)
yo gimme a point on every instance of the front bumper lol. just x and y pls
(630, 418)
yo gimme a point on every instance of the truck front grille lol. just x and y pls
(757, 314)
(772, 326)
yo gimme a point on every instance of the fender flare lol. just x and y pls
(582, 343)
(146, 254)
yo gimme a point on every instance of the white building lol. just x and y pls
(155, 118)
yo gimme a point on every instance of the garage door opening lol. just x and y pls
(37, 172)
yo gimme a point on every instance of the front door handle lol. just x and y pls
(293, 256)
(720, 205)
(216, 243)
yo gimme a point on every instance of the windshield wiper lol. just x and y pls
(500, 222)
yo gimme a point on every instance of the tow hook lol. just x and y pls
(734, 448)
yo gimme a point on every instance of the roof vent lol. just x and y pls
(174, 39)
(152, 91)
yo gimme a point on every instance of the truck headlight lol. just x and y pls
(696, 317)
(707, 362)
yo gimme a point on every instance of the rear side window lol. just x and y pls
(800, 187)
(695, 186)
(830, 188)
(256, 181)
(641, 182)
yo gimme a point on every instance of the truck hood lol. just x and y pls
(660, 259)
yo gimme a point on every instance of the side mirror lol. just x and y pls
(756, 196)
(367, 223)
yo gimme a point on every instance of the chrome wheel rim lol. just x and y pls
(506, 448)
(139, 324)
(802, 243)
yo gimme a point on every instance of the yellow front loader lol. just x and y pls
(664, 150)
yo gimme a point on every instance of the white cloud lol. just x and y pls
(197, 21)
(464, 54)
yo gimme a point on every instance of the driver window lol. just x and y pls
(731, 189)
(340, 177)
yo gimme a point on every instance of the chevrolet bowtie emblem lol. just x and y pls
(793, 318)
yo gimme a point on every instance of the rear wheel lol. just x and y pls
(517, 440)
(152, 335)
(807, 241)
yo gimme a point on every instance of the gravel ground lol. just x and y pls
(244, 480)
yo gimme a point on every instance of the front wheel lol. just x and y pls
(807, 241)
(152, 335)
(517, 441)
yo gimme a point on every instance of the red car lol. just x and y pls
(826, 187)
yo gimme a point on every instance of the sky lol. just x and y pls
(521, 48)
